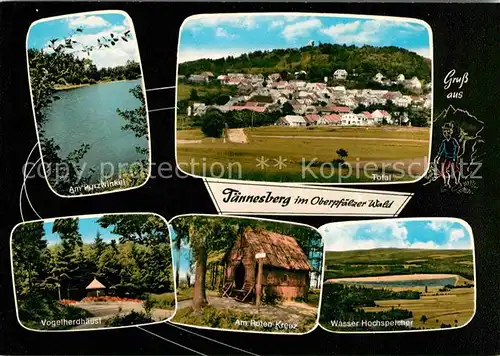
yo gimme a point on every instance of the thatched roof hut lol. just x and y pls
(286, 266)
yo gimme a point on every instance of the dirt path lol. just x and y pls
(292, 312)
(107, 310)
(344, 138)
(237, 136)
(187, 142)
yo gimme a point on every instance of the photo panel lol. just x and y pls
(89, 102)
(93, 272)
(398, 275)
(303, 97)
(246, 274)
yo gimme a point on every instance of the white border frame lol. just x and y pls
(312, 14)
(318, 310)
(86, 217)
(382, 221)
(143, 84)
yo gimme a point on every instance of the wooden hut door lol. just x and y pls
(239, 276)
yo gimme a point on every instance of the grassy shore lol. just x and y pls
(61, 87)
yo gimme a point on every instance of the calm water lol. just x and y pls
(88, 115)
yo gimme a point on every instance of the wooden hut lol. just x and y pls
(286, 269)
(95, 288)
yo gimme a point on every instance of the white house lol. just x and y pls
(291, 120)
(340, 89)
(350, 119)
(378, 77)
(403, 101)
(340, 74)
(199, 109)
(413, 83)
(400, 78)
(380, 115)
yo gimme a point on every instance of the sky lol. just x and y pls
(220, 36)
(88, 228)
(422, 234)
(185, 256)
(94, 26)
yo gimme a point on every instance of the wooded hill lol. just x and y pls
(320, 61)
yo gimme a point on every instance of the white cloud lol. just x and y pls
(368, 32)
(425, 245)
(389, 235)
(220, 32)
(87, 22)
(456, 234)
(301, 29)
(341, 28)
(106, 57)
(438, 225)
(246, 22)
(276, 23)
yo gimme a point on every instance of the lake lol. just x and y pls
(88, 115)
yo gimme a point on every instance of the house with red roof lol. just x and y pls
(333, 119)
(311, 119)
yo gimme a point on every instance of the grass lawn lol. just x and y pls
(187, 293)
(238, 161)
(457, 304)
(414, 133)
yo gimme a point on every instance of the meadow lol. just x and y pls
(304, 150)
(454, 307)
(432, 305)
(393, 261)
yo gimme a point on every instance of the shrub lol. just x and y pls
(35, 308)
(162, 301)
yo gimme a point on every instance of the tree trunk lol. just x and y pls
(199, 295)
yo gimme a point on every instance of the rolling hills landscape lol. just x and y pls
(319, 61)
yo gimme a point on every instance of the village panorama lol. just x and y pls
(324, 125)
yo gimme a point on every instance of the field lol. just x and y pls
(392, 261)
(184, 90)
(307, 153)
(443, 308)
(433, 288)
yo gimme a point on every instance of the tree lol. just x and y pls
(66, 265)
(60, 64)
(208, 234)
(287, 109)
(193, 95)
(142, 228)
(342, 154)
(136, 122)
(212, 123)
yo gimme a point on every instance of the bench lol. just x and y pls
(226, 289)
